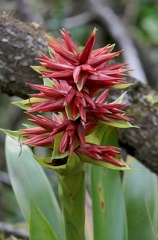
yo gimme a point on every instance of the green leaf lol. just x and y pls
(87, 159)
(68, 109)
(51, 53)
(96, 136)
(30, 182)
(50, 38)
(120, 124)
(140, 193)
(38, 68)
(16, 135)
(109, 219)
(57, 141)
(26, 104)
(102, 131)
(48, 82)
(39, 227)
(28, 125)
(121, 86)
(120, 99)
(45, 162)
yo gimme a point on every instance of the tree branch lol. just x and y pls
(11, 230)
(119, 31)
(20, 44)
(78, 20)
(141, 143)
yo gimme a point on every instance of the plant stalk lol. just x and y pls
(72, 195)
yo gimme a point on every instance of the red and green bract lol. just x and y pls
(75, 98)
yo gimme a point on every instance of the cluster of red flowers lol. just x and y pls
(79, 83)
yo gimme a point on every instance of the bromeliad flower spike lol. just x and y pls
(76, 85)
(70, 114)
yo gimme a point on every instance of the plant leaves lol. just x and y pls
(121, 86)
(120, 98)
(13, 134)
(29, 181)
(109, 217)
(39, 227)
(120, 124)
(87, 159)
(55, 153)
(46, 162)
(140, 192)
(48, 82)
(38, 68)
(96, 136)
(26, 104)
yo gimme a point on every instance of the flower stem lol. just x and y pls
(72, 196)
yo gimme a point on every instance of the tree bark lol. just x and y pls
(142, 142)
(20, 44)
